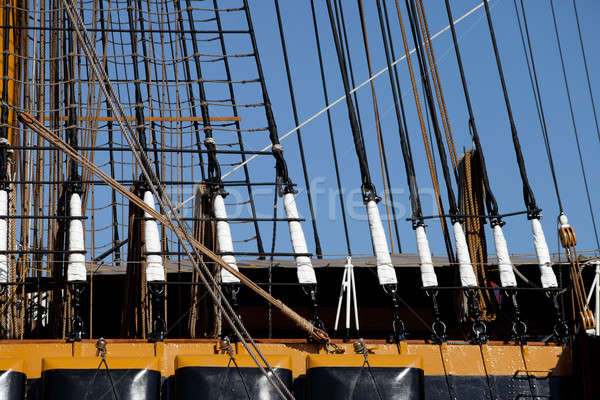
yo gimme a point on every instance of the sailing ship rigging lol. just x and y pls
(146, 195)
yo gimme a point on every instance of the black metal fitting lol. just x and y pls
(231, 291)
(478, 327)
(157, 297)
(310, 290)
(398, 328)
(518, 330)
(437, 326)
(560, 331)
(77, 326)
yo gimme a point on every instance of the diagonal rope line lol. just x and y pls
(337, 101)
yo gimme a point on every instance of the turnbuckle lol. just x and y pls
(478, 328)
(157, 297)
(77, 326)
(518, 327)
(437, 326)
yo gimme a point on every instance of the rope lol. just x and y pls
(367, 186)
(318, 250)
(535, 87)
(490, 199)
(409, 166)
(532, 209)
(389, 199)
(576, 134)
(430, 160)
(587, 71)
(101, 348)
(343, 97)
(330, 125)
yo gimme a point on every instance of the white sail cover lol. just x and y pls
(224, 240)
(467, 276)
(385, 269)
(426, 264)
(305, 270)
(543, 255)
(505, 265)
(154, 263)
(3, 236)
(76, 266)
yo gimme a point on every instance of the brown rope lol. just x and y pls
(471, 197)
(437, 84)
(430, 161)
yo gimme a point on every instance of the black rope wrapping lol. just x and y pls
(368, 189)
(409, 165)
(537, 94)
(490, 199)
(259, 242)
(417, 39)
(330, 125)
(284, 182)
(532, 209)
(318, 250)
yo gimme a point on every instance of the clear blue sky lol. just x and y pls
(488, 105)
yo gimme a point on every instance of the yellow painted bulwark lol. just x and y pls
(223, 360)
(358, 360)
(455, 359)
(150, 363)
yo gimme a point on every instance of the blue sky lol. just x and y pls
(488, 104)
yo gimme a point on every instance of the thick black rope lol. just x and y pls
(538, 95)
(490, 200)
(343, 37)
(214, 169)
(564, 72)
(259, 242)
(446, 232)
(4, 111)
(188, 78)
(318, 250)
(412, 16)
(587, 71)
(368, 189)
(380, 133)
(409, 166)
(111, 156)
(284, 182)
(330, 125)
(532, 209)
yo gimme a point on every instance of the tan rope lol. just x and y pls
(430, 161)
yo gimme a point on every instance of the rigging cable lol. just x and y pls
(428, 276)
(548, 278)
(587, 71)
(330, 125)
(299, 136)
(385, 269)
(564, 72)
(428, 150)
(535, 87)
(389, 198)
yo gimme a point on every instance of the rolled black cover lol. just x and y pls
(73, 384)
(12, 385)
(206, 383)
(347, 383)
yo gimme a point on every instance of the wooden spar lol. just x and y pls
(56, 141)
(150, 119)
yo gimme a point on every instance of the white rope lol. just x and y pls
(348, 288)
(305, 271)
(76, 266)
(154, 265)
(425, 262)
(385, 269)
(224, 240)
(467, 275)
(548, 277)
(505, 265)
(324, 110)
